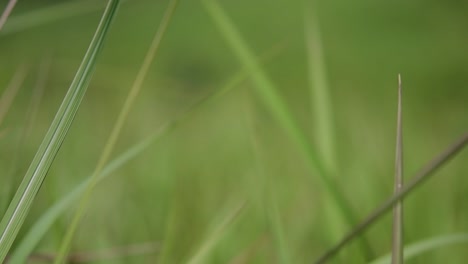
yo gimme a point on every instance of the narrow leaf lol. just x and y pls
(21, 203)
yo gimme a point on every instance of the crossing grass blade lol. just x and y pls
(397, 240)
(115, 133)
(21, 203)
(427, 245)
(423, 175)
(273, 101)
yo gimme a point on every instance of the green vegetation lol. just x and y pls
(260, 131)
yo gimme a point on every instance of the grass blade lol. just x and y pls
(419, 248)
(19, 207)
(133, 93)
(217, 233)
(267, 91)
(320, 92)
(397, 240)
(423, 175)
(324, 118)
(6, 13)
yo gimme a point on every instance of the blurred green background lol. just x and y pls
(232, 149)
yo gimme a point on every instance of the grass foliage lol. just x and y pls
(220, 179)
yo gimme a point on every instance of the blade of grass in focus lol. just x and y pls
(21, 203)
(115, 133)
(220, 228)
(422, 176)
(45, 222)
(273, 101)
(6, 13)
(419, 248)
(397, 240)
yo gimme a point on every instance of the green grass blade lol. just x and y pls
(218, 232)
(322, 109)
(422, 176)
(419, 248)
(267, 91)
(397, 240)
(19, 206)
(115, 133)
(320, 92)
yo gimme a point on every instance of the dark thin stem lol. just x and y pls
(420, 177)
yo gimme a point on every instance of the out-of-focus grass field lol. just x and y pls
(231, 149)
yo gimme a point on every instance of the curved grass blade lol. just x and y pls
(21, 203)
(423, 175)
(109, 147)
(273, 101)
(6, 13)
(397, 240)
(419, 248)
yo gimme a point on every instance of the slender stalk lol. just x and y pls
(397, 241)
(423, 175)
(110, 144)
(32, 181)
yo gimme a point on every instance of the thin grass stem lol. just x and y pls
(423, 175)
(397, 240)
